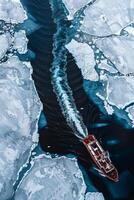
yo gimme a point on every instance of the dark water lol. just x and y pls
(58, 135)
(41, 42)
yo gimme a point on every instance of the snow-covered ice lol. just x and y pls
(54, 179)
(74, 5)
(120, 50)
(49, 178)
(19, 103)
(4, 45)
(20, 42)
(11, 11)
(106, 17)
(20, 108)
(124, 87)
(103, 17)
(84, 57)
(103, 44)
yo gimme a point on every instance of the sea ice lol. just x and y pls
(11, 11)
(54, 178)
(74, 5)
(123, 86)
(20, 42)
(120, 50)
(106, 17)
(104, 47)
(103, 17)
(20, 108)
(84, 57)
(4, 45)
(19, 103)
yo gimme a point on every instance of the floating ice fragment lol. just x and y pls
(120, 50)
(84, 57)
(57, 178)
(4, 45)
(20, 42)
(20, 108)
(105, 66)
(130, 111)
(124, 87)
(94, 196)
(106, 17)
(74, 5)
(12, 11)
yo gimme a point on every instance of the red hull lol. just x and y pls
(100, 158)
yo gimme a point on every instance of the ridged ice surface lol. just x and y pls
(54, 178)
(102, 44)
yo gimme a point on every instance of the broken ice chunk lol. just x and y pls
(12, 11)
(4, 45)
(130, 111)
(20, 42)
(120, 91)
(106, 17)
(120, 50)
(54, 178)
(57, 178)
(20, 109)
(105, 66)
(84, 57)
(74, 5)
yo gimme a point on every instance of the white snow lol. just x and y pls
(74, 5)
(18, 121)
(19, 103)
(124, 87)
(105, 66)
(54, 178)
(20, 42)
(106, 17)
(120, 50)
(4, 45)
(103, 17)
(84, 57)
(12, 11)
(109, 22)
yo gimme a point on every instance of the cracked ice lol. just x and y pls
(20, 105)
(57, 178)
(105, 38)
(20, 110)
(106, 33)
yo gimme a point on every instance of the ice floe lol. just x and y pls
(54, 178)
